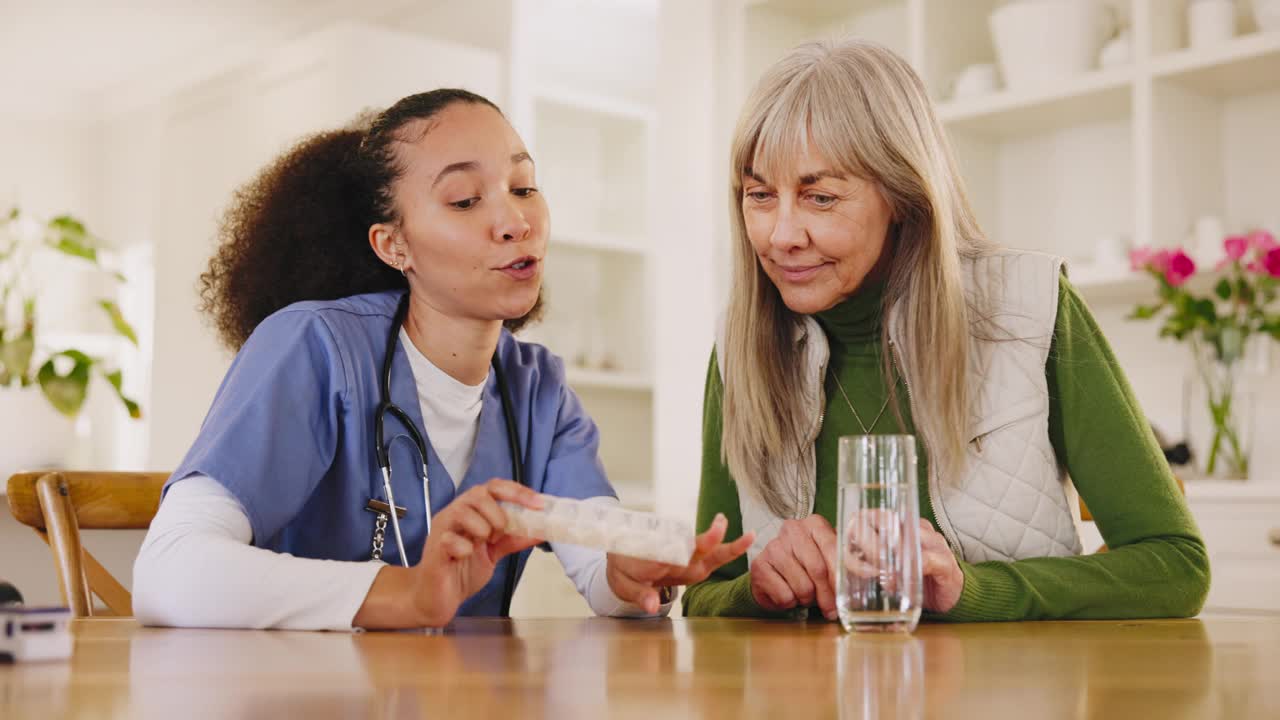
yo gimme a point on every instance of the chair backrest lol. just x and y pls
(57, 504)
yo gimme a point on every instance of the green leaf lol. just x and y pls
(1244, 291)
(15, 355)
(1223, 289)
(71, 238)
(1145, 312)
(115, 378)
(121, 325)
(68, 225)
(1205, 311)
(66, 392)
(13, 213)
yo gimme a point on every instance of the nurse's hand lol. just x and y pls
(637, 581)
(468, 538)
(793, 569)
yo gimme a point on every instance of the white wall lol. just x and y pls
(218, 135)
(689, 180)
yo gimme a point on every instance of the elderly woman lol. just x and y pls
(865, 299)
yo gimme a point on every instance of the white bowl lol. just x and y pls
(1039, 41)
(1267, 14)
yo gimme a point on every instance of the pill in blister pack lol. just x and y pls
(604, 527)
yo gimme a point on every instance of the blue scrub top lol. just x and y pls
(290, 435)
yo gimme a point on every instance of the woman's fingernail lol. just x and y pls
(833, 615)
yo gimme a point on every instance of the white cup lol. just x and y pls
(1111, 251)
(1119, 51)
(1210, 22)
(977, 79)
(1043, 41)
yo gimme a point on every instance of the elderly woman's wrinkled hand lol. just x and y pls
(872, 536)
(793, 569)
(943, 578)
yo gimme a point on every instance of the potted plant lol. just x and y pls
(1221, 326)
(57, 377)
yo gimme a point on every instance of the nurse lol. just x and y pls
(417, 238)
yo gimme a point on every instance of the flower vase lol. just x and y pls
(1218, 408)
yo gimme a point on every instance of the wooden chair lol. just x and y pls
(58, 504)
(1087, 516)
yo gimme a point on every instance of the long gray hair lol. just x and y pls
(866, 112)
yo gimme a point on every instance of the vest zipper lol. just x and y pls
(943, 523)
(806, 501)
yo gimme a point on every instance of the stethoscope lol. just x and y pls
(384, 454)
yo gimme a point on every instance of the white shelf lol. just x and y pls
(1111, 282)
(821, 11)
(1244, 491)
(1245, 65)
(1122, 284)
(634, 496)
(1090, 97)
(581, 379)
(1086, 275)
(594, 103)
(599, 241)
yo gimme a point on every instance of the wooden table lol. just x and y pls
(662, 669)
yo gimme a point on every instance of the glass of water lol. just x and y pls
(879, 587)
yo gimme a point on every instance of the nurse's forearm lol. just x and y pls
(394, 602)
(196, 568)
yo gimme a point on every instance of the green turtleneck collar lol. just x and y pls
(855, 320)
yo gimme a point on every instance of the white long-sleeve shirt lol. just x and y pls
(198, 568)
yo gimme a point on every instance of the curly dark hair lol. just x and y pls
(299, 230)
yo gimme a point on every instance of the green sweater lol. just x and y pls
(1157, 565)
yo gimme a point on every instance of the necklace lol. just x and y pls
(866, 430)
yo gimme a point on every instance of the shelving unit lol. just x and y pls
(1246, 65)
(590, 127)
(601, 242)
(1129, 155)
(609, 380)
(1180, 132)
(1100, 95)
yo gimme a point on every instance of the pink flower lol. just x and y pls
(1271, 261)
(1236, 246)
(1148, 258)
(1261, 240)
(1140, 258)
(1256, 267)
(1180, 267)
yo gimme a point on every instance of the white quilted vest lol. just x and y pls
(1014, 500)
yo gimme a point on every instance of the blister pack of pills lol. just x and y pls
(604, 527)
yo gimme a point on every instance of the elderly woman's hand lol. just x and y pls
(943, 578)
(794, 568)
(874, 536)
(638, 581)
